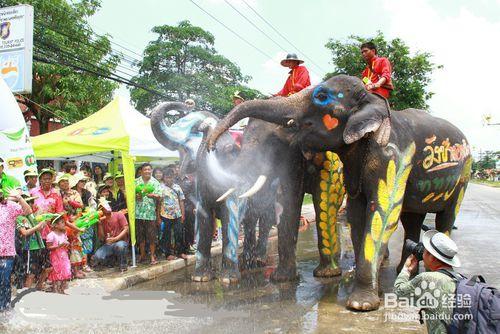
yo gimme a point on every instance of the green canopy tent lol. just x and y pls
(116, 133)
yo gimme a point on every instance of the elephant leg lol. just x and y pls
(381, 220)
(232, 216)
(266, 222)
(412, 223)
(446, 219)
(288, 230)
(364, 296)
(247, 258)
(204, 224)
(327, 198)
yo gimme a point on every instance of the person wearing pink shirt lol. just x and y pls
(9, 211)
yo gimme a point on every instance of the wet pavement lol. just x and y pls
(172, 303)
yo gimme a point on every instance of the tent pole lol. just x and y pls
(133, 257)
(129, 173)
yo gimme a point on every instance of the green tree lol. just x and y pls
(62, 35)
(182, 63)
(411, 73)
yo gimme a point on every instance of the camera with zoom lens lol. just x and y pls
(415, 248)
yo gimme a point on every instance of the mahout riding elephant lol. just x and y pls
(266, 150)
(397, 165)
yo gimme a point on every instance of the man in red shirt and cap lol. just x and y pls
(298, 78)
(377, 73)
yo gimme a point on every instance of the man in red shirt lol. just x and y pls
(298, 78)
(377, 73)
(112, 230)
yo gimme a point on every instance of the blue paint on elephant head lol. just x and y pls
(180, 132)
(236, 209)
(323, 96)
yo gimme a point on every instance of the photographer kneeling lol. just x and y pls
(432, 290)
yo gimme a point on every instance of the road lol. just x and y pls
(174, 304)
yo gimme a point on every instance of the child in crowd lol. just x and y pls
(34, 254)
(57, 244)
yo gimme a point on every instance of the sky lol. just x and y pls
(462, 35)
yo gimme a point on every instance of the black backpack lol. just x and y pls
(477, 309)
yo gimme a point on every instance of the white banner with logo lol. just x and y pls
(15, 144)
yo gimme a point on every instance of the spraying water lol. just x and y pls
(217, 171)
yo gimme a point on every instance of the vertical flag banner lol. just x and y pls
(15, 143)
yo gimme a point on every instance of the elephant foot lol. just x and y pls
(230, 275)
(251, 264)
(363, 299)
(284, 275)
(229, 279)
(326, 270)
(202, 275)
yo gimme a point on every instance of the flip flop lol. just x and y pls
(153, 262)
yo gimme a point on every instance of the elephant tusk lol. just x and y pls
(256, 187)
(290, 122)
(225, 195)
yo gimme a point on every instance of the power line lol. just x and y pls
(90, 31)
(263, 32)
(53, 48)
(121, 56)
(255, 26)
(231, 30)
(114, 77)
(43, 108)
(281, 35)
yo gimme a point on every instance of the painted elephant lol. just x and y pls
(266, 150)
(397, 165)
(212, 196)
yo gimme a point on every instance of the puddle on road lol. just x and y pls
(172, 303)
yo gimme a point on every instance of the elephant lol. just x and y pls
(212, 198)
(397, 165)
(266, 148)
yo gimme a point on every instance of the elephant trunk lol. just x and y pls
(159, 126)
(281, 111)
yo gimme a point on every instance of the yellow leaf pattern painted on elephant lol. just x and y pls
(383, 195)
(391, 175)
(332, 195)
(369, 248)
(376, 226)
(459, 201)
(390, 192)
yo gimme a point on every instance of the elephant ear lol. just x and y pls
(372, 117)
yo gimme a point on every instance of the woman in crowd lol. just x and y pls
(98, 174)
(47, 200)
(158, 174)
(78, 183)
(9, 211)
(72, 202)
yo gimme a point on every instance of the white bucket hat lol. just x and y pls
(442, 247)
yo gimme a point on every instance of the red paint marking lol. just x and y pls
(330, 122)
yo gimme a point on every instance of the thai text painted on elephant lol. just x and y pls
(444, 155)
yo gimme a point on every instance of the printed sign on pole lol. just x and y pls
(16, 47)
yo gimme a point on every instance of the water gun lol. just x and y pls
(144, 189)
(89, 218)
(45, 216)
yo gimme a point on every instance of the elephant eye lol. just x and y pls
(322, 96)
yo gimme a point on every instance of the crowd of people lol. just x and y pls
(43, 245)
